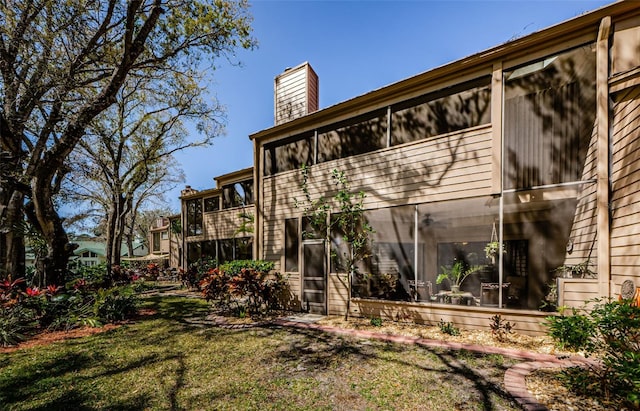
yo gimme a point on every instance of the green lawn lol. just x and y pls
(169, 362)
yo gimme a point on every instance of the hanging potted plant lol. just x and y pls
(492, 248)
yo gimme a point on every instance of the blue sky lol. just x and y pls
(354, 47)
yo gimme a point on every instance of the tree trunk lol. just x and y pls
(116, 223)
(43, 216)
(12, 253)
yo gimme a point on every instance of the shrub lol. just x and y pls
(14, 321)
(376, 321)
(571, 332)
(115, 305)
(197, 271)
(215, 285)
(245, 283)
(500, 328)
(612, 332)
(235, 267)
(448, 328)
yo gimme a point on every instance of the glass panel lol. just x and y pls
(194, 217)
(156, 241)
(238, 194)
(340, 251)
(291, 245)
(225, 250)
(549, 116)
(313, 229)
(390, 272)
(209, 250)
(289, 155)
(247, 188)
(194, 252)
(453, 236)
(212, 204)
(537, 228)
(445, 111)
(244, 248)
(359, 135)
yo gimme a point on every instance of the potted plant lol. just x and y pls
(456, 274)
(491, 250)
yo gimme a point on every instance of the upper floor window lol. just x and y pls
(194, 217)
(290, 154)
(549, 116)
(156, 241)
(237, 194)
(211, 204)
(354, 136)
(451, 109)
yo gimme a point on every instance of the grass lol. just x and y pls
(172, 361)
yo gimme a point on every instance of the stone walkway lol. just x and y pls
(514, 378)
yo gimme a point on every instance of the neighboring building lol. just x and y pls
(165, 239)
(89, 252)
(218, 223)
(92, 251)
(159, 234)
(533, 144)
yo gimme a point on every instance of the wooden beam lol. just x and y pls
(602, 190)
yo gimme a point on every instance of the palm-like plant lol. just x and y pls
(456, 274)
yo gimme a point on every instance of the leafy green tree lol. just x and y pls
(61, 66)
(126, 159)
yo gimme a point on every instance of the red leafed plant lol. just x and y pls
(244, 285)
(33, 292)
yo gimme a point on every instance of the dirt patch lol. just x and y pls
(48, 337)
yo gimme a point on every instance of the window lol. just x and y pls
(208, 249)
(238, 194)
(156, 241)
(292, 245)
(389, 272)
(355, 136)
(194, 252)
(211, 204)
(289, 155)
(194, 217)
(243, 249)
(226, 250)
(549, 115)
(164, 235)
(451, 109)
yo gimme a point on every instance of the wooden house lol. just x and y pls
(217, 223)
(519, 162)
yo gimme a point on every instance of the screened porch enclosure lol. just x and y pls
(504, 250)
(536, 229)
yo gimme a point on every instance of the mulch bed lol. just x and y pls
(49, 337)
